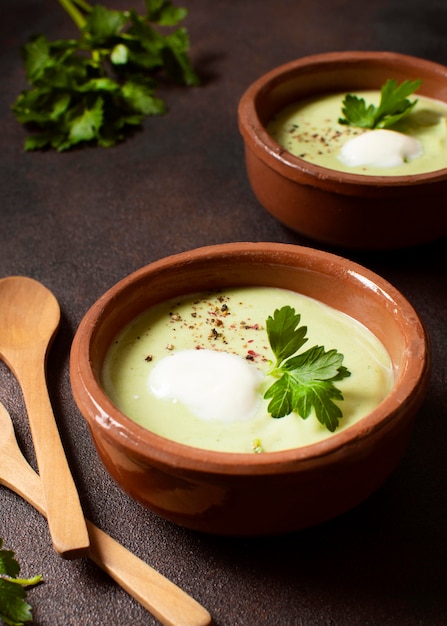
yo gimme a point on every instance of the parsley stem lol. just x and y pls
(275, 370)
(23, 582)
(72, 10)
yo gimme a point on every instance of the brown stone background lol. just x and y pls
(82, 220)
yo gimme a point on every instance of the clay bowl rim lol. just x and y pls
(148, 447)
(255, 134)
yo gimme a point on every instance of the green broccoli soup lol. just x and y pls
(415, 144)
(195, 369)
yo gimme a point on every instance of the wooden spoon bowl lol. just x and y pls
(29, 318)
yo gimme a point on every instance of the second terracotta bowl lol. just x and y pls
(337, 208)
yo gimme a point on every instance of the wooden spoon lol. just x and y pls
(168, 603)
(29, 318)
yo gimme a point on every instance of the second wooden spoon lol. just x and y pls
(29, 318)
(170, 604)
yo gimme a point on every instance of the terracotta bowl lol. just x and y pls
(240, 493)
(341, 209)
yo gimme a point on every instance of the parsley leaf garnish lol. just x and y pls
(98, 89)
(14, 610)
(394, 105)
(305, 380)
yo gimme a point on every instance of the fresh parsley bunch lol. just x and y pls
(98, 88)
(14, 610)
(305, 380)
(394, 105)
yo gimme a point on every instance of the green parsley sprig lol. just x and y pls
(14, 610)
(306, 380)
(393, 106)
(97, 89)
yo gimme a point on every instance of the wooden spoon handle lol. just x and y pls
(66, 521)
(167, 602)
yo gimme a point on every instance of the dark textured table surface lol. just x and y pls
(82, 220)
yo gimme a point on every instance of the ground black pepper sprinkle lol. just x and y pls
(211, 312)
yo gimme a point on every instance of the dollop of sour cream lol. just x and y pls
(380, 148)
(215, 386)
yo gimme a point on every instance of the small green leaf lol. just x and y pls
(357, 113)
(281, 394)
(59, 106)
(176, 61)
(37, 141)
(164, 13)
(284, 335)
(101, 24)
(36, 54)
(319, 396)
(8, 565)
(14, 610)
(85, 127)
(141, 99)
(317, 364)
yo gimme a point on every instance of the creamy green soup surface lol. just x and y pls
(416, 144)
(194, 369)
